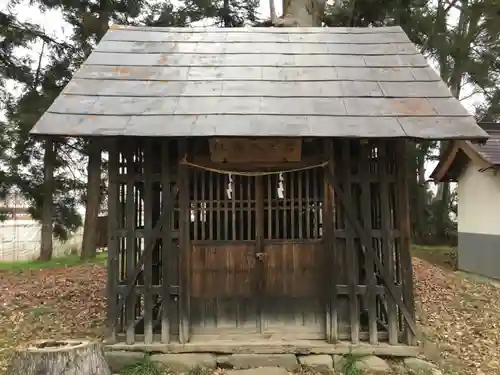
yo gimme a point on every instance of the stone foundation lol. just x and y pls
(275, 364)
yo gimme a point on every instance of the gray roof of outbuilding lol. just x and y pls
(490, 150)
(338, 82)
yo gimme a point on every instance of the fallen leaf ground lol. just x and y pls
(460, 317)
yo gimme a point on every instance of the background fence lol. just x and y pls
(20, 240)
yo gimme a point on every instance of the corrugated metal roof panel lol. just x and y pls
(345, 82)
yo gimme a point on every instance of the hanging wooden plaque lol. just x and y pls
(261, 150)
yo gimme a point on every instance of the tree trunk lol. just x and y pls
(302, 13)
(68, 357)
(272, 11)
(89, 241)
(47, 207)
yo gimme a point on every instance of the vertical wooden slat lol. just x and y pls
(369, 266)
(233, 209)
(329, 237)
(249, 205)
(130, 244)
(285, 206)
(316, 202)
(350, 245)
(293, 210)
(113, 245)
(184, 246)
(307, 201)
(205, 207)
(196, 205)
(211, 207)
(241, 184)
(218, 211)
(405, 234)
(269, 203)
(301, 214)
(226, 235)
(166, 247)
(259, 248)
(387, 241)
(148, 229)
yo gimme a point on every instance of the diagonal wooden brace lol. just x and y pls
(368, 249)
(148, 249)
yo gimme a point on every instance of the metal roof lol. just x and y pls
(338, 82)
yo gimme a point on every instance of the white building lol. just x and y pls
(475, 168)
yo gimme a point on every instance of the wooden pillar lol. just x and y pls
(113, 245)
(331, 266)
(387, 236)
(130, 226)
(366, 166)
(403, 209)
(166, 240)
(184, 244)
(148, 236)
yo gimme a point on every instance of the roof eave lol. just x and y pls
(446, 161)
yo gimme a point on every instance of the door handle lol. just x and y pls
(260, 256)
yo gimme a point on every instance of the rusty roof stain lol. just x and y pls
(331, 82)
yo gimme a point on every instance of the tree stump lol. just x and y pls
(59, 357)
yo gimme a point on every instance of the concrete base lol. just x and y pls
(302, 347)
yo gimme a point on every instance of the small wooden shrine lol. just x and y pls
(258, 181)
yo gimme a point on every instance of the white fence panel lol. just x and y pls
(20, 240)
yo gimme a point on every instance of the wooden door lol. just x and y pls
(293, 258)
(223, 284)
(257, 255)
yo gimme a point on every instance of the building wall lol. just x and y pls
(479, 222)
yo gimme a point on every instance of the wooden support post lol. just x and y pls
(387, 240)
(148, 233)
(184, 245)
(350, 245)
(259, 249)
(365, 164)
(112, 240)
(332, 328)
(403, 211)
(130, 243)
(166, 239)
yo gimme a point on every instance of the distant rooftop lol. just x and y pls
(490, 150)
(459, 154)
(335, 82)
